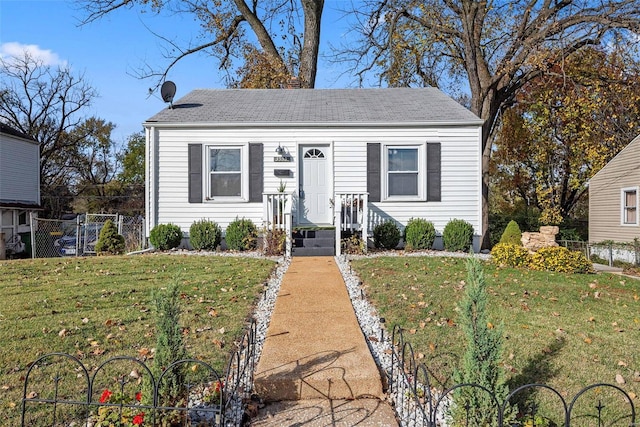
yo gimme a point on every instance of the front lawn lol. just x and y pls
(97, 308)
(564, 330)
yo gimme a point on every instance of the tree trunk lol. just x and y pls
(311, 43)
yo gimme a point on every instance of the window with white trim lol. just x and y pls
(228, 172)
(404, 172)
(629, 202)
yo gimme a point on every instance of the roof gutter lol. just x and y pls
(231, 125)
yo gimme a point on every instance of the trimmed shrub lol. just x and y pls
(241, 235)
(165, 236)
(512, 234)
(419, 234)
(109, 241)
(561, 260)
(275, 242)
(457, 236)
(386, 235)
(205, 235)
(510, 255)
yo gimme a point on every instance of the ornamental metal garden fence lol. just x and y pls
(59, 390)
(425, 397)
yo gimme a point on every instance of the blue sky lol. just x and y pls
(110, 50)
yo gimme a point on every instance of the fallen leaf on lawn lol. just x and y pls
(213, 312)
(221, 330)
(218, 343)
(5, 387)
(420, 356)
(144, 351)
(555, 314)
(412, 331)
(588, 340)
(97, 351)
(12, 405)
(109, 322)
(85, 320)
(432, 347)
(596, 294)
(422, 325)
(206, 328)
(32, 395)
(621, 363)
(592, 319)
(223, 289)
(134, 374)
(63, 333)
(632, 395)
(94, 343)
(620, 379)
(489, 325)
(592, 285)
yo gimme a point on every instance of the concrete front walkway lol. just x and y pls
(315, 361)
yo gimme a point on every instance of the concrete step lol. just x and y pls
(322, 413)
(313, 234)
(314, 347)
(319, 242)
(310, 251)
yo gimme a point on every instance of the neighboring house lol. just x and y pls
(346, 157)
(614, 202)
(19, 186)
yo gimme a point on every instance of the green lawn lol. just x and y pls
(99, 307)
(567, 331)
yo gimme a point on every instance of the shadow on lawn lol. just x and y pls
(538, 370)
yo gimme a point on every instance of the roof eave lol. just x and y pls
(226, 125)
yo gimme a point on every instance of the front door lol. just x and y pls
(314, 204)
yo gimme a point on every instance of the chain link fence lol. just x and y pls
(78, 237)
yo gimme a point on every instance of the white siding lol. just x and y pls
(19, 170)
(460, 153)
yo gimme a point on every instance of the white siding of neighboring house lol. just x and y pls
(19, 170)
(460, 154)
(605, 204)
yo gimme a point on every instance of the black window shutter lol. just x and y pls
(373, 171)
(256, 172)
(433, 172)
(195, 173)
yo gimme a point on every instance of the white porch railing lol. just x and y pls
(277, 215)
(351, 214)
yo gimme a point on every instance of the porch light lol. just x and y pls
(279, 150)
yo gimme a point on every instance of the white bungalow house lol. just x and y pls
(346, 159)
(614, 206)
(19, 186)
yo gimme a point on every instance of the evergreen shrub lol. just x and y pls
(419, 234)
(165, 236)
(512, 234)
(457, 236)
(386, 235)
(205, 235)
(109, 241)
(241, 235)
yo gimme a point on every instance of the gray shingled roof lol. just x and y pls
(315, 106)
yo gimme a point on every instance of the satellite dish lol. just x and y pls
(167, 91)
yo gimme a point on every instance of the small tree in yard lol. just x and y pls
(480, 364)
(109, 241)
(170, 346)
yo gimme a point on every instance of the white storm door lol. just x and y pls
(314, 206)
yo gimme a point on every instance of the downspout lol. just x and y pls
(150, 180)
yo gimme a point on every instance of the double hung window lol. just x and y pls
(629, 201)
(227, 167)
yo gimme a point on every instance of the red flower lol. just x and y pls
(138, 419)
(106, 394)
(138, 396)
(218, 386)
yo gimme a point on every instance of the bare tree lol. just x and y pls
(488, 49)
(46, 103)
(276, 25)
